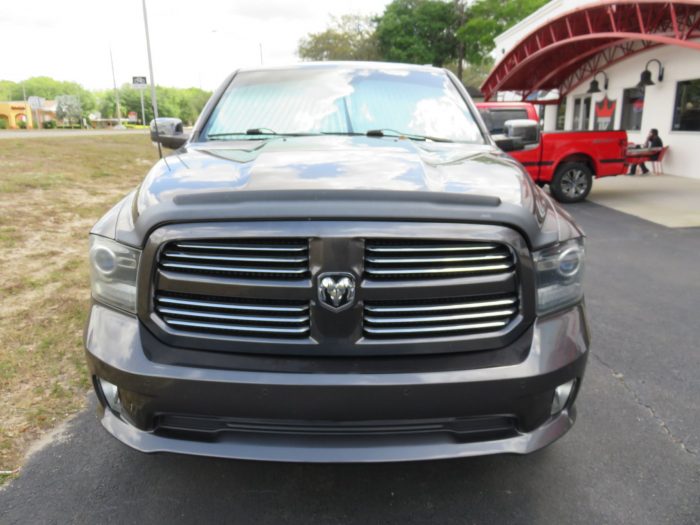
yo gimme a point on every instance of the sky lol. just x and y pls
(195, 43)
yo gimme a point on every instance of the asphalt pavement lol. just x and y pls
(632, 457)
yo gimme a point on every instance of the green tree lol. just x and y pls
(68, 108)
(418, 31)
(7, 88)
(486, 19)
(185, 104)
(472, 74)
(350, 37)
(50, 89)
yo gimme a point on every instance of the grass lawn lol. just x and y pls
(52, 190)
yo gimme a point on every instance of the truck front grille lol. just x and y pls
(229, 316)
(418, 288)
(243, 258)
(441, 318)
(426, 259)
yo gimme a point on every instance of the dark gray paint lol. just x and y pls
(557, 354)
(619, 464)
(340, 177)
(342, 190)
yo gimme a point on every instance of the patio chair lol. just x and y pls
(656, 167)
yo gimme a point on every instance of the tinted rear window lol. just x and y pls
(495, 119)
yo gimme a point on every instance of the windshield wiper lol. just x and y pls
(388, 132)
(255, 132)
(383, 132)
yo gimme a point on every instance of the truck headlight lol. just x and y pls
(559, 274)
(113, 269)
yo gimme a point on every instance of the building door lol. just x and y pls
(582, 113)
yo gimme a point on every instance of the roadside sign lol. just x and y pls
(133, 116)
(139, 82)
(35, 102)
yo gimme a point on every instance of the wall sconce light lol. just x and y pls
(594, 87)
(645, 79)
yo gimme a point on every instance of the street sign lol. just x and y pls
(139, 82)
(35, 102)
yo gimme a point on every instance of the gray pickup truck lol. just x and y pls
(337, 265)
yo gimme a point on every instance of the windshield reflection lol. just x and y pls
(345, 100)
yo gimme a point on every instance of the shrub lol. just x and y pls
(22, 124)
(3, 123)
(49, 124)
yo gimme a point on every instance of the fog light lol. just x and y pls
(110, 393)
(561, 396)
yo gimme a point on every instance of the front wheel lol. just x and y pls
(572, 182)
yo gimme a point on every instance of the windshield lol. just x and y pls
(343, 100)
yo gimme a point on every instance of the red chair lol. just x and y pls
(656, 167)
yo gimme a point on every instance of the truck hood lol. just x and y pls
(338, 177)
(335, 163)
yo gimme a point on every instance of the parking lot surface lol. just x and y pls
(633, 456)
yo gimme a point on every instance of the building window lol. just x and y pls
(686, 116)
(632, 109)
(582, 113)
(561, 115)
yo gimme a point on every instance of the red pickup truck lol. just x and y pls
(566, 160)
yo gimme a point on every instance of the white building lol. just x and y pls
(567, 44)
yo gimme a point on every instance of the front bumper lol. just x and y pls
(520, 392)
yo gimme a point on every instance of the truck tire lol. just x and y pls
(572, 182)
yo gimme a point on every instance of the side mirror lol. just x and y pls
(508, 144)
(169, 132)
(525, 130)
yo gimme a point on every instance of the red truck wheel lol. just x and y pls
(572, 182)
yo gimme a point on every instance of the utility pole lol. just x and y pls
(153, 80)
(143, 110)
(261, 55)
(116, 92)
(459, 7)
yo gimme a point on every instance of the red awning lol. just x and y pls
(571, 48)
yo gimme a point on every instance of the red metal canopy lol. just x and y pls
(568, 50)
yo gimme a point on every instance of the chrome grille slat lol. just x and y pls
(233, 306)
(413, 260)
(240, 247)
(440, 307)
(428, 271)
(431, 249)
(443, 317)
(232, 258)
(438, 318)
(267, 259)
(269, 330)
(233, 269)
(231, 317)
(243, 317)
(435, 329)
(434, 259)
